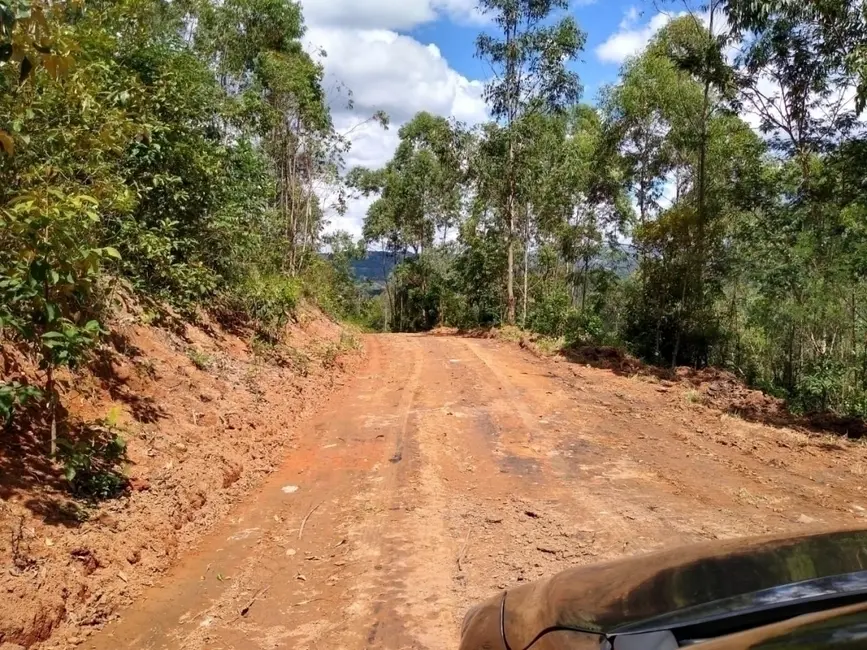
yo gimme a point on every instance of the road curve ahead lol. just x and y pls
(450, 468)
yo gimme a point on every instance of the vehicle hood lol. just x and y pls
(675, 587)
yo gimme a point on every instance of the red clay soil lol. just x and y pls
(714, 387)
(450, 468)
(200, 438)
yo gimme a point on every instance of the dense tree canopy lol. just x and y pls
(177, 148)
(706, 208)
(709, 209)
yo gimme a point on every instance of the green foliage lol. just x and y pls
(50, 273)
(15, 396)
(266, 303)
(201, 360)
(585, 328)
(330, 280)
(67, 345)
(550, 312)
(93, 462)
(419, 189)
(531, 56)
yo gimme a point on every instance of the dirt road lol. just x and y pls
(453, 467)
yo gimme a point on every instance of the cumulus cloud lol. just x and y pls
(630, 17)
(387, 14)
(630, 39)
(396, 74)
(386, 71)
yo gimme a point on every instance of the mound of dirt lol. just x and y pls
(205, 418)
(716, 388)
(607, 358)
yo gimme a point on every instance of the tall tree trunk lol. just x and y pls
(702, 168)
(291, 143)
(526, 280)
(510, 313)
(308, 212)
(789, 368)
(853, 354)
(513, 100)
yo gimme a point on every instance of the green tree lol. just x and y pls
(419, 197)
(529, 59)
(178, 149)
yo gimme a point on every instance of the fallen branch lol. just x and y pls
(306, 517)
(253, 599)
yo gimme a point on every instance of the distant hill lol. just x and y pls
(375, 267)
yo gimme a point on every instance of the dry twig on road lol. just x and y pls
(306, 517)
(464, 550)
(261, 591)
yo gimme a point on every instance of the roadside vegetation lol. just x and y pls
(175, 152)
(708, 209)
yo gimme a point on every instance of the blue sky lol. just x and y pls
(404, 56)
(599, 20)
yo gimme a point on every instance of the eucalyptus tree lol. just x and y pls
(529, 59)
(419, 190)
(801, 75)
(671, 125)
(256, 48)
(419, 197)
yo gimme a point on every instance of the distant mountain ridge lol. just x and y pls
(375, 267)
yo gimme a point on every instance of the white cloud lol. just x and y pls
(630, 39)
(396, 74)
(386, 71)
(387, 14)
(630, 17)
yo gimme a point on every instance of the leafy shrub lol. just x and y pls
(264, 302)
(93, 463)
(827, 385)
(583, 328)
(154, 259)
(68, 345)
(15, 396)
(548, 315)
(816, 385)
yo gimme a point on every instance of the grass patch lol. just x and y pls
(201, 360)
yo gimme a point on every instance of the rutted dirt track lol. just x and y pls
(452, 467)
